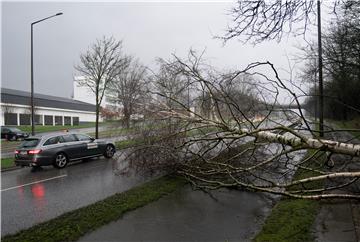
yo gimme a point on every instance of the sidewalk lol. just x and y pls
(340, 220)
(191, 215)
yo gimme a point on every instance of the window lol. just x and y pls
(29, 143)
(75, 120)
(54, 140)
(37, 120)
(15, 130)
(10, 118)
(58, 120)
(25, 119)
(70, 138)
(5, 130)
(67, 120)
(49, 120)
(83, 137)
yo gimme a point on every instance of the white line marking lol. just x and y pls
(31, 183)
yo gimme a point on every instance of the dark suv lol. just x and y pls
(12, 133)
(60, 149)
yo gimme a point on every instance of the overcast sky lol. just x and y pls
(148, 30)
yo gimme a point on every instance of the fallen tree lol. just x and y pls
(254, 142)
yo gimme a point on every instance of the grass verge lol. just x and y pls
(113, 132)
(72, 225)
(7, 162)
(293, 219)
(290, 220)
(350, 124)
(124, 144)
(48, 128)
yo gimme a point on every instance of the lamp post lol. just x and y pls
(32, 73)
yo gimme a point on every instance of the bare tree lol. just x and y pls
(238, 149)
(170, 83)
(261, 20)
(341, 65)
(129, 88)
(99, 66)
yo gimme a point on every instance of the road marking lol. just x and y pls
(31, 183)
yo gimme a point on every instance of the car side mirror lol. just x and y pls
(92, 139)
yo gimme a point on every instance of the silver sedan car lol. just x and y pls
(60, 149)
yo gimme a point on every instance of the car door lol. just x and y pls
(90, 145)
(73, 147)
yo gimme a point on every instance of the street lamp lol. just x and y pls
(32, 72)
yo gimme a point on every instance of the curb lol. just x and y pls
(355, 206)
(11, 168)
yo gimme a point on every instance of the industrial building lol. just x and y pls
(49, 110)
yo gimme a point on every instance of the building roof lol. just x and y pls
(12, 96)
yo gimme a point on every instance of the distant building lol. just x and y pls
(108, 110)
(49, 110)
(82, 93)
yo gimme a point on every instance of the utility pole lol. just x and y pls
(321, 89)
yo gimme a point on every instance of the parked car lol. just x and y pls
(60, 149)
(12, 133)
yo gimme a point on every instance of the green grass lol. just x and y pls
(292, 219)
(113, 132)
(9, 146)
(72, 225)
(139, 141)
(48, 128)
(350, 124)
(127, 143)
(7, 162)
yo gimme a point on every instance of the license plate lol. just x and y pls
(23, 152)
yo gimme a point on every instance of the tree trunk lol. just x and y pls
(97, 121)
(309, 143)
(126, 117)
(97, 114)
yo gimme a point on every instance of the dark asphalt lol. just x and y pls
(188, 215)
(340, 220)
(28, 198)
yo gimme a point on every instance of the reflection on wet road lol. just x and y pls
(28, 198)
(31, 183)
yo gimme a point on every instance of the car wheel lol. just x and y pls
(60, 161)
(109, 151)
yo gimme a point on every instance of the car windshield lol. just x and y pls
(29, 143)
(15, 130)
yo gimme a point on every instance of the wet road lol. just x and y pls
(188, 215)
(28, 198)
